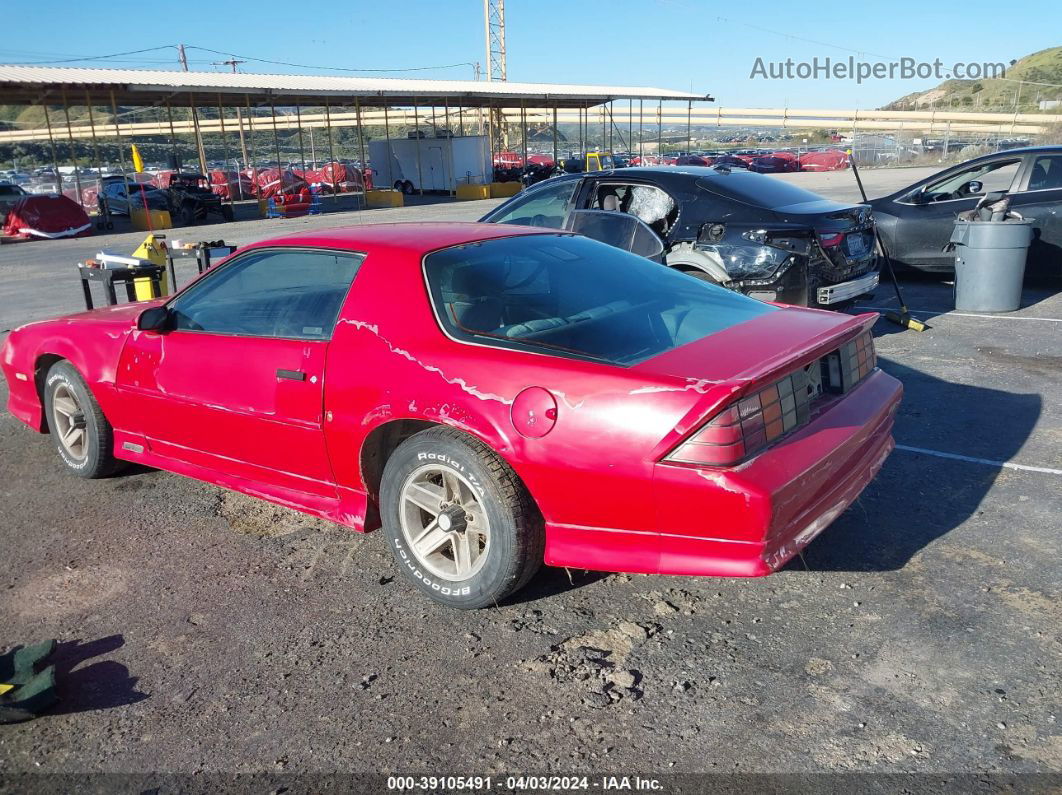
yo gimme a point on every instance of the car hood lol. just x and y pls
(120, 316)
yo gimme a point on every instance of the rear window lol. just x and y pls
(757, 190)
(575, 297)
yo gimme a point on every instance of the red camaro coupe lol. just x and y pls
(493, 396)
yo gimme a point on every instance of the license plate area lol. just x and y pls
(857, 244)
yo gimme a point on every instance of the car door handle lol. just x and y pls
(294, 375)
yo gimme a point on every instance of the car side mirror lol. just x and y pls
(157, 318)
(974, 186)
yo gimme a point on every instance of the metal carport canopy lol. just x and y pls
(31, 85)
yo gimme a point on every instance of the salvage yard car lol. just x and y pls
(916, 222)
(748, 232)
(493, 396)
(192, 199)
(113, 200)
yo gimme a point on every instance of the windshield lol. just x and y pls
(576, 297)
(757, 190)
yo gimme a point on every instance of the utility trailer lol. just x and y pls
(431, 164)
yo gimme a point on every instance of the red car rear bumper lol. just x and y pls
(750, 520)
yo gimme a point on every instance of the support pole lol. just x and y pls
(250, 134)
(331, 147)
(198, 135)
(416, 136)
(449, 146)
(55, 156)
(390, 154)
(95, 145)
(630, 125)
(362, 165)
(660, 128)
(243, 143)
(689, 127)
(604, 132)
(121, 156)
(555, 163)
(173, 140)
(302, 153)
(523, 128)
(361, 135)
(276, 145)
(225, 152)
(490, 138)
(641, 126)
(611, 124)
(73, 153)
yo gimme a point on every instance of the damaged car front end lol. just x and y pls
(827, 264)
(810, 252)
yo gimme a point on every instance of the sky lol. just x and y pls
(689, 45)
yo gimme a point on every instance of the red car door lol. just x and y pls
(236, 381)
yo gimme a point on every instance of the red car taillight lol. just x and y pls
(751, 424)
(851, 363)
(746, 427)
(829, 240)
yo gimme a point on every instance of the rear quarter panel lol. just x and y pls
(389, 360)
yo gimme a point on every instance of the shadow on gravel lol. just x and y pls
(99, 685)
(918, 498)
(550, 582)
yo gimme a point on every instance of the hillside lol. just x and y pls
(996, 94)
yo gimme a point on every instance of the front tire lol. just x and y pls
(83, 436)
(461, 525)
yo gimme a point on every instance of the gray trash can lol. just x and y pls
(990, 263)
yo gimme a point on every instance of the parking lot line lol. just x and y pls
(973, 460)
(959, 314)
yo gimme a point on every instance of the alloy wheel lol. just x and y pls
(68, 422)
(444, 522)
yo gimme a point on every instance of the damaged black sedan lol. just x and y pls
(749, 232)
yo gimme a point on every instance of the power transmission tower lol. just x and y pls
(494, 30)
(494, 22)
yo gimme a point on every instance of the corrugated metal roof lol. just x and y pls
(22, 84)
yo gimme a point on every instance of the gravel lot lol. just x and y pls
(203, 632)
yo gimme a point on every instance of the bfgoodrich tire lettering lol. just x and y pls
(446, 483)
(83, 436)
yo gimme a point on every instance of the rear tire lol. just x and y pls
(226, 212)
(407, 188)
(83, 436)
(188, 215)
(460, 523)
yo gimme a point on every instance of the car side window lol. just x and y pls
(1046, 173)
(976, 181)
(292, 293)
(650, 204)
(546, 206)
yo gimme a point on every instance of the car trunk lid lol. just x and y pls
(728, 365)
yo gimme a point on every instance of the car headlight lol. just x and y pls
(750, 261)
